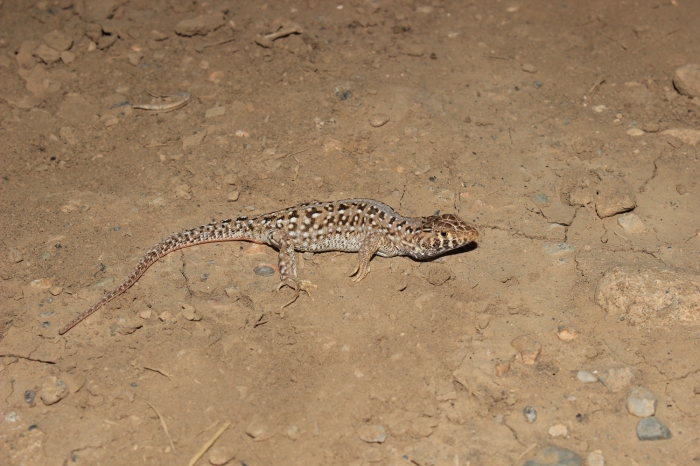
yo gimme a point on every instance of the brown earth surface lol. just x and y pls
(545, 124)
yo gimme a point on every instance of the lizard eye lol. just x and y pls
(443, 234)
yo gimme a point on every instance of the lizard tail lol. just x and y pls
(211, 233)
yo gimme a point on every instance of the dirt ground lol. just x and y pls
(545, 124)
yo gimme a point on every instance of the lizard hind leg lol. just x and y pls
(288, 267)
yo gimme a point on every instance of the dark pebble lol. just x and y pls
(651, 428)
(538, 84)
(264, 271)
(29, 396)
(555, 456)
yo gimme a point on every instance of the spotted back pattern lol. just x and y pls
(353, 225)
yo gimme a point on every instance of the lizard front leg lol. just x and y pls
(370, 245)
(287, 263)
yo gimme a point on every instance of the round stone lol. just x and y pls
(530, 414)
(380, 119)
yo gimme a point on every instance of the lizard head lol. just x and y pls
(441, 233)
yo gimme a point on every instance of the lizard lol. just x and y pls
(365, 226)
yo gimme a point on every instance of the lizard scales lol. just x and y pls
(364, 226)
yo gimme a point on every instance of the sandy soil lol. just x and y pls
(539, 122)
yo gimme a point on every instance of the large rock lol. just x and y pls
(687, 80)
(650, 297)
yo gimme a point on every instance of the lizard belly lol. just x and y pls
(335, 242)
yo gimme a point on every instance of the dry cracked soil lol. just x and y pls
(554, 127)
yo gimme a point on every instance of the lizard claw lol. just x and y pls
(298, 286)
(361, 270)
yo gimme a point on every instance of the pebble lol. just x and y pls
(256, 428)
(415, 50)
(215, 112)
(634, 132)
(631, 223)
(220, 455)
(380, 119)
(554, 456)
(688, 136)
(641, 402)
(651, 127)
(586, 377)
(58, 40)
(438, 275)
(41, 284)
(616, 379)
(558, 430)
(292, 432)
(15, 256)
(530, 414)
(56, 290)
(145, 315)
(190, 313)
(29, 396)
(190, 142)
(529, 68)
(686, 79)
(134, 58)
(201, 25)
(372, 433)
(264, 271)
(233, 196)
(614, 197)
(567, 334)
(595, 458)
(529, 349)
(651, 428)
(53, 390)
(47, 54)
(541, 198)
(502, 368)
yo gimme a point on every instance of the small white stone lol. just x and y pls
(215, 112)
(586, 377)
(233, 196)
(558, 430)
(634, 132)
(372, 433)
(595, 458)
(631, 223)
